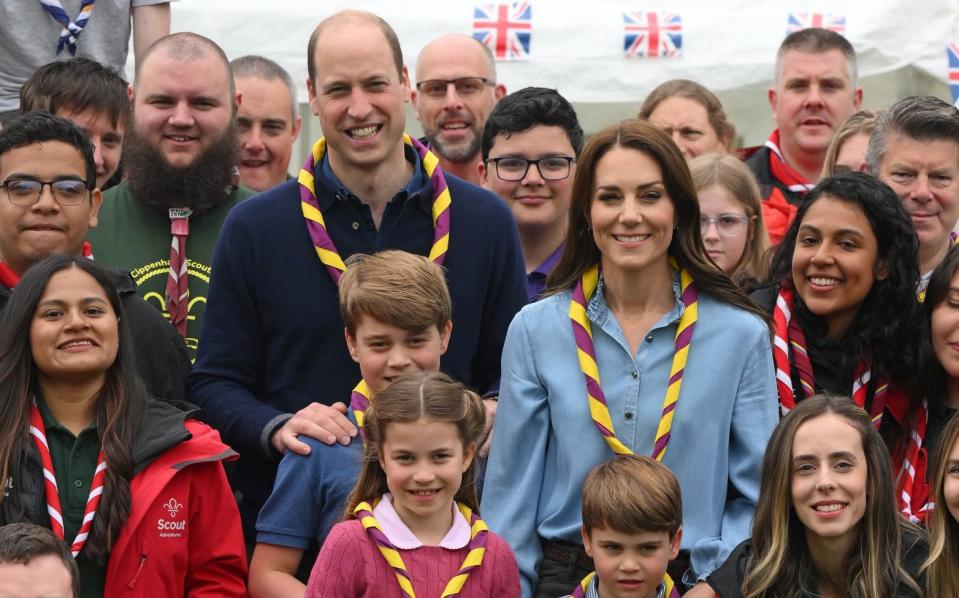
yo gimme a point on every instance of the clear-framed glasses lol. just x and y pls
(551, 168)
(727, 225)
(26, 192)
(465, 86)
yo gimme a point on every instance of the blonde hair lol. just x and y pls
(632, 494)
(942, 574)
(862, 122)
(395, 287)
(734, 176)
(420, 395)
(781, 561)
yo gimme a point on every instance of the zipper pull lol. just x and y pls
(133, 582)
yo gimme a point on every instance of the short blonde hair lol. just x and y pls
(632, 494)
(395, 287)
(734, 176)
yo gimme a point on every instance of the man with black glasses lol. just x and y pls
(529, 150)
(48, 202)
(455, 90)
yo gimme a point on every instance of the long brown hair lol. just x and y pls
(942, 572)
(780, 562)
(416, 396)
(686, 246)
(119, 405)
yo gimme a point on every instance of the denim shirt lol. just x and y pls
(545, 442)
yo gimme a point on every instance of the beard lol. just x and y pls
(459, 152)
(202, 185)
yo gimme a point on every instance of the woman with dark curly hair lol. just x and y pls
(842, 292)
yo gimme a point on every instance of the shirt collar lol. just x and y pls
(393, 527)
(550, 262)
(592, 590)
(598, 310)
(418, 186)
(50, 422)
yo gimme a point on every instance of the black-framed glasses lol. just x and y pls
(551, 168)
(26, 192)
(465, 86)
(727, 225)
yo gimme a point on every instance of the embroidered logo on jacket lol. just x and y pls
(168, 528)
(173, 506)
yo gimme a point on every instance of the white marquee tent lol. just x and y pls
(580, 47)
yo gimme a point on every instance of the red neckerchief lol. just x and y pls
(782, 171)
(11, 279)
(910, 458)
(789, 341)
(39, 433)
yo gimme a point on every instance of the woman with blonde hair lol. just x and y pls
(826, 523)
(730, 215)
(942, 566)
(847, 151)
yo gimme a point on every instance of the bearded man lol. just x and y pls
(180, 156)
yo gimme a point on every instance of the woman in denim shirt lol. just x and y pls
(634, 225)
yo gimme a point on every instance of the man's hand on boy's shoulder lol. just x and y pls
(326, 423)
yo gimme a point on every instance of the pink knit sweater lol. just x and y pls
(351, 566)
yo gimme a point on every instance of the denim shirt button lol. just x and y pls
(649, 338)
(629, 415)
(634, 374)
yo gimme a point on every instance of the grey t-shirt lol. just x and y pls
(28, 39)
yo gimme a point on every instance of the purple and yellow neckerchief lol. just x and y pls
(580, 591)
(330, 257)
(582, 332)
(316, 226)
(71, 29)
(473, 561)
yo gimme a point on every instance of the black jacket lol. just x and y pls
(727, 581)
(161, 357)
(758, 164)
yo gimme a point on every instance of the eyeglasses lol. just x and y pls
(26, 192)
(727, 225)
(465, 86)
(552, 168)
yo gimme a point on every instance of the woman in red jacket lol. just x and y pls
(86, 453)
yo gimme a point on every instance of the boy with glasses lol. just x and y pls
(529, 149)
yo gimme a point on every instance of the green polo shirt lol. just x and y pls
(74, 461)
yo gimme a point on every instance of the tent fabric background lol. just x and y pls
(577, 47)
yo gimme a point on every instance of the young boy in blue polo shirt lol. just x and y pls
(397, 315)
(632, 527)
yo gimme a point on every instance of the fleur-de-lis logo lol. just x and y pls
(173, 507)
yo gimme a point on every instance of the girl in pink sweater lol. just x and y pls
(411, 525)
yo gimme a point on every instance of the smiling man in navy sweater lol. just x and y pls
(273, 356)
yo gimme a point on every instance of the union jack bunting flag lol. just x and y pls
(504, 28)
(804, 20)
(952, 51)
(652, 34)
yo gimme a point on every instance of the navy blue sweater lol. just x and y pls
(272, 336)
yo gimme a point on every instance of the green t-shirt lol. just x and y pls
(74, 461)
(135, 237)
